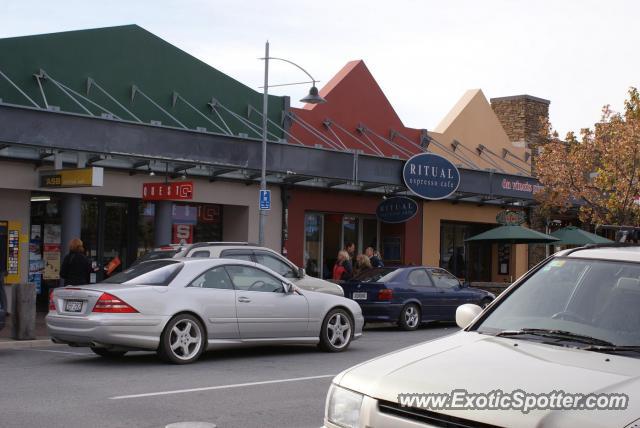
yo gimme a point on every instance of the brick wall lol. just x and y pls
(523, 118)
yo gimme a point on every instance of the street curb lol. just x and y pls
(21, 344)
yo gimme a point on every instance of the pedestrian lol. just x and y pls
(374, 257)
(350, 249)
(362, 264)
(340, 271)
(76, 267)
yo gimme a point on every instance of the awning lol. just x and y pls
(572, 235)
(513, 235)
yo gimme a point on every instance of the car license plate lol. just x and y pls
(359, 296)
(73, 305)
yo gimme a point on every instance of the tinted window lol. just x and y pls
(237, 255)
(419, 277)
(156, 272)
(251, 279)
(275, 264)
(443, 279)
(213, 278)
(201, 253)
(156, 255)
(375, 275)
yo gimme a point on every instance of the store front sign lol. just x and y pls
(510, 218)
(430, 176)
(78, 177)
(175, 191)
(396, 210)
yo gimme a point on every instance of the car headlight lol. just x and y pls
(343, 407)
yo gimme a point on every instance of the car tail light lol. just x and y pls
(52, 302)
(385, 294)
(108, 303)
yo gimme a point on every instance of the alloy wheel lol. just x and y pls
(185, 339)
(339, 330)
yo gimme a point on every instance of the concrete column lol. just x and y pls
(71, 219)
(162, 226)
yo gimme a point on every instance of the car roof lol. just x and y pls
(619, 252)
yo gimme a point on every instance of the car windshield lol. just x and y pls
(374, 275)
(156, 272)
(594, 298)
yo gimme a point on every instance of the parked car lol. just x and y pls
(264, 256)
(570, 325)
(181, 307)
(411, 295)
(163, 252)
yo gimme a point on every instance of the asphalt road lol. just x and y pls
(59, 386)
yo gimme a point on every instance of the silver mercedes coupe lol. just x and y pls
(181, 307)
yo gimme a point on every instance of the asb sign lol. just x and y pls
(396, 210)
(431, 176)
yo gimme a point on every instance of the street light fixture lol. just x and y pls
(312, 98)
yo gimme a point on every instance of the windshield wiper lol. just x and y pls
(555, 334)
(612, 348)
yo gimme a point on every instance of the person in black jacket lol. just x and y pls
(76, 267)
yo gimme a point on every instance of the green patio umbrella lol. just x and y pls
(513, 235)
(572, 235)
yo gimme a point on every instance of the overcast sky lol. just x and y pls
(424, 54)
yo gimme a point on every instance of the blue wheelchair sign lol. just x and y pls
(265, 199)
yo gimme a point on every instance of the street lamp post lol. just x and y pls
(312, 98)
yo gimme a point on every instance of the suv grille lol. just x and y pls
(428, 417)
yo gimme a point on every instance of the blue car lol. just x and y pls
(411, 295)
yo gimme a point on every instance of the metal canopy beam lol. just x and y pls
(103, 139)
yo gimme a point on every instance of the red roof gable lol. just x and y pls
(355, 101)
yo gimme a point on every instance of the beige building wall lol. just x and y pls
(436, 212)
(472, 121)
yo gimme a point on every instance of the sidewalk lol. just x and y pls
(41, 339)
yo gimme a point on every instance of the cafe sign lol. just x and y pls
(76, 177)
(510, 218)
(396, 210)
(431, 176)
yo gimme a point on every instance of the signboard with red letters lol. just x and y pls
(175, 191)
(182, 234)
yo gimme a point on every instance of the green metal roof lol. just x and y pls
(116, 59)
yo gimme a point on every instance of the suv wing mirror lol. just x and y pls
(301, 272)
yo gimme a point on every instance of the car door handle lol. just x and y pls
(243, 299)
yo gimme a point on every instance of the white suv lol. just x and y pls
(559, 348)
(264, 256)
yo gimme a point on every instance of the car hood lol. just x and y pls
(481, 364)
(319, 285)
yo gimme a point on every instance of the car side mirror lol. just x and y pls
(289, 288)
(465, 314)
(301, 273)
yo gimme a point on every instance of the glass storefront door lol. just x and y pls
(471, 260)
(313, 244)
(326, 234)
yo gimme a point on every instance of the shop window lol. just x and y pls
(472, 261)
(312, 244)
(196, 223)
(326, 234)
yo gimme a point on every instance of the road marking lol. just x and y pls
(57, 352)
(211, 388)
